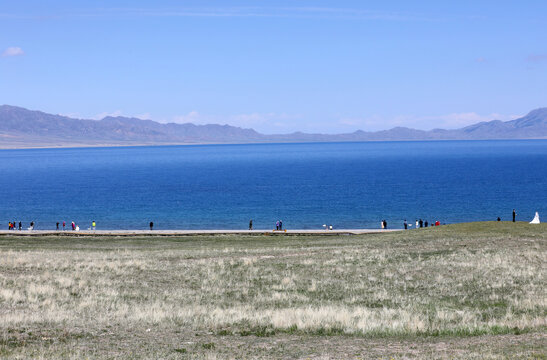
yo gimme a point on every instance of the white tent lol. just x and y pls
(536, 219)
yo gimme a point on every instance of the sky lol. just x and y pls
(277, 66)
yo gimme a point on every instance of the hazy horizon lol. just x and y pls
(316, 67)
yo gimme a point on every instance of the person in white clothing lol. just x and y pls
(536, 219)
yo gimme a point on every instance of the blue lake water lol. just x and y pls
(348, 185)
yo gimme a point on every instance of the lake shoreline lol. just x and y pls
(190, 232)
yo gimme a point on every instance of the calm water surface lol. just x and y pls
(348, 185)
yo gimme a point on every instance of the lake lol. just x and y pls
(348, 185)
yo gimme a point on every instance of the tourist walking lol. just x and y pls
(382, 224)
(426, 223)
(73, 226)
(20, 226)
(514, 215)
(277, 225)
(421, 223)
(405, 224)
(385, 224)
(151, 225)
(280, 224)
(251, 224)
(93, 225)
(416, 223)
(57, 226)
(64, 224)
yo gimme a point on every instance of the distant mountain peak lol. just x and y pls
(538, 112)
(20, 127)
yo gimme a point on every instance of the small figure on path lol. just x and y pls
(385, 224)
(93, 225)
(514, 215)
(64, 224)
(437, 223)
(277, 225)
(280, 224)
(499, 219)
(73, 226)
(20, 226)
(426, 223)
(405, 224)
(416, 223)
(421, 223)
(251, 224)
(382, 224)
(57, 226)
(151, 225)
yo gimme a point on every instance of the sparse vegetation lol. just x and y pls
(459, 291)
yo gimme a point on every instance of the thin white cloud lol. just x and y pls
(240, 11)
(192, 117)
(143, 116)
(253, 119)
(13, 51)
(106, 113)
(71, 115)
(446, 121)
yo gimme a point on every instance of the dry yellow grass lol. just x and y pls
(456, 281)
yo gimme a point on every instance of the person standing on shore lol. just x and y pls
(73, 226)
(421, 223)
(514, 215)
(151, 225)
(93, 225)
(405, 224)
(280, 224)
(20, 226)
(57, 226)
(251, 224)
(64, 224)
(277, 225)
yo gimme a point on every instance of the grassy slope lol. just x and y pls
(466, 290)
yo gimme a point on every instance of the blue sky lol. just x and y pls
(277, 66)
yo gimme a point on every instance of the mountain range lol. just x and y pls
(23, 128)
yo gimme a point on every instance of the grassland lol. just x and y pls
(459, 291)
